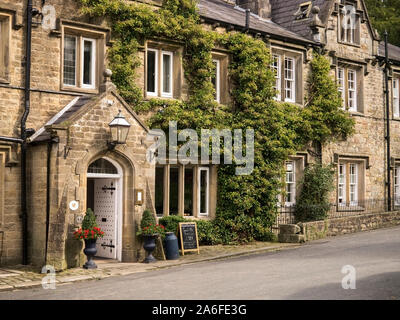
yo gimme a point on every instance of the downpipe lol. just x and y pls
(24, 209)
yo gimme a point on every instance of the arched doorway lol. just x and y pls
(104, 197)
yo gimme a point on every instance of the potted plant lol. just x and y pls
(149, 231)
(89, 232)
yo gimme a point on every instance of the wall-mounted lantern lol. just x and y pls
(119, 128)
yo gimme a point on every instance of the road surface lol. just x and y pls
(313, 271)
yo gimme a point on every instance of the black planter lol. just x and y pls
(149, 245)
(90, 251)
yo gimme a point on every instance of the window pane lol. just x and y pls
(203, 189)
(188, 192)
(396, 98)
(159, 194)
(173, 190)
(289, 79)
(88, 62)
(215, 80)
(167, 73)
(70, 61)
(151, 71)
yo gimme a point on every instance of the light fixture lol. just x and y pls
(119, 128)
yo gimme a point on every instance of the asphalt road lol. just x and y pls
(313, 271)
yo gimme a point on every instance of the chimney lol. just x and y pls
(262, 8)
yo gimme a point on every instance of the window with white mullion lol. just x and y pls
(152, 72)
(88, 70)
(397, 185)
(396, 98)
(289, 73)
(70, 49)
(342, 185)
(353, 184)
(166, 74)
(352, 90)
(341, 87)
(290, 183)
(276, 67)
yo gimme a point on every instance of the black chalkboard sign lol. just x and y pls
(189, 238)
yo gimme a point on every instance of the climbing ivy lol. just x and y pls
(246, 206)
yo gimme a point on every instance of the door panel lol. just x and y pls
(105, 209)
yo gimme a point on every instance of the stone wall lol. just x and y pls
(338, 226)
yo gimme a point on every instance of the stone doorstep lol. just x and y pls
(68, 279)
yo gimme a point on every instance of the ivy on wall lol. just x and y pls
(246, 206)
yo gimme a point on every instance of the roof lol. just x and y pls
(221, 11)
(394, 51)
(70, 109)
(283, 13)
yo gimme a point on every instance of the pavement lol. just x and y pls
(26, 277)
(360, 266)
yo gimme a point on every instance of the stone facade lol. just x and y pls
(58, 163)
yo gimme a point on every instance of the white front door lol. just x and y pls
(105, 209)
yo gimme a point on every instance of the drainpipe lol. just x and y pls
(24, 210)
(389, 194)
(247, 19)
(49, 148)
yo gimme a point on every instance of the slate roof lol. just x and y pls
(394, 51)
(283, 13)
(74, 106)
(219, 10)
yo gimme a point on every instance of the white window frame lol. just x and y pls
(291, 183)
(352, 90)
(291, 80)
(217, 80)
(167, 94)
(93, 63)
(342, 184)
(77, 58)
(396, 187)
(155, 93)
(341, 86)
(276, 66)
(396, 98)
(353, 182)
(200, 169)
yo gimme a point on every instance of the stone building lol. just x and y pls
(72, 165)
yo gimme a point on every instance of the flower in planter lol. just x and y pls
(89, 228)
(152, 229)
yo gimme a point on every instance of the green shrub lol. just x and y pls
(147, 219)
(89, 221)
(313, 202)
(171, 223)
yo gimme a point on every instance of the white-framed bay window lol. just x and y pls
(342, 184)
(396, 187)
(350, 183)
(159, 73)
(79, 62)
(203, 190)
(348, 81)
(289, 79)
(396, 97)
(290, 183)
